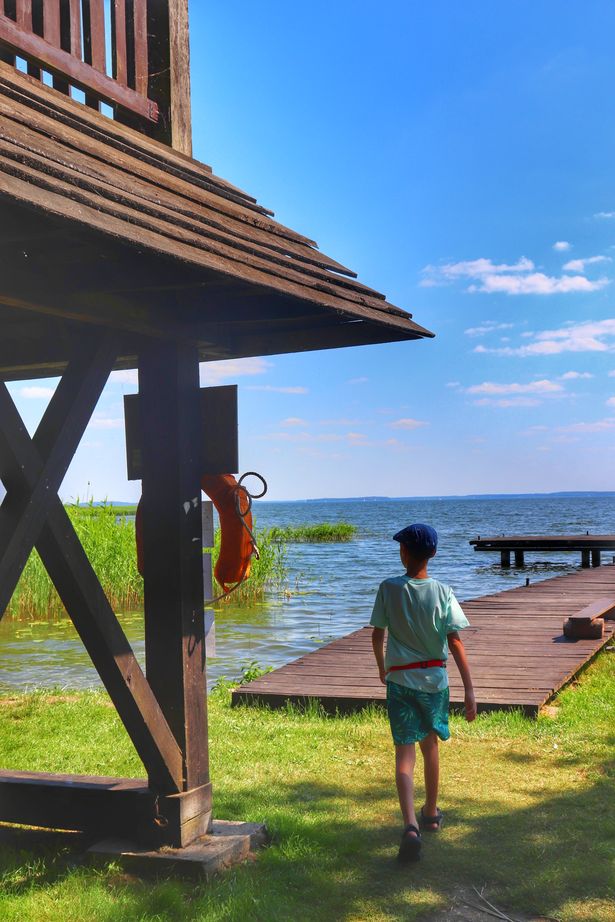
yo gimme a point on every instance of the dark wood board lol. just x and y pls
(519, 656)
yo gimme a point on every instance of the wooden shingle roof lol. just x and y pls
(103, 225)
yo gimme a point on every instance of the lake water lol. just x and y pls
(331, 587)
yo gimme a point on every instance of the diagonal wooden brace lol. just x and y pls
(28, 475)
(23, 512)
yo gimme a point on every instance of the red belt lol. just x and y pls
(425, 664)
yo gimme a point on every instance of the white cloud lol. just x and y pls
(294, 421)
(600, 425)
(488, 326)
(536, 283)
(575, 375)
(507, 402)
(610, 402)
(605, 214)
(471, 269)
(100, 422)
(213, 373)
(578, 265)
(611, 374)
(277, 390)
(458, 383)
(591, 336)
(561, 245)
(36, 392)
(408, 424)
(534, 387)
(518, 278)
(125, 376)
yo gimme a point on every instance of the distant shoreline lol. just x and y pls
(579, 494)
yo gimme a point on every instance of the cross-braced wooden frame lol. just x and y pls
(165, 714)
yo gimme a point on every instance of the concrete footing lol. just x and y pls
(228, 843)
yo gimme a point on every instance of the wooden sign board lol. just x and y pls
(219, 432)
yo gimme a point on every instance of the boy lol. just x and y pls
(423, 618)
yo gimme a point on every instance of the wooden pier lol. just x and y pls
(517, 650)
(590, 546)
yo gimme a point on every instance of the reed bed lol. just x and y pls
(323, 532)
(108, 536)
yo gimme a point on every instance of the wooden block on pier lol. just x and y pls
(588, 623)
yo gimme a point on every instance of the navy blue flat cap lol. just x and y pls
(419, 538)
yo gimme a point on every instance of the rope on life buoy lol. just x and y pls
(241, 492)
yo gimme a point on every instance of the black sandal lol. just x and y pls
(410, 848)
(426, 821)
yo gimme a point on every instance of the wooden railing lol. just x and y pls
(98, 48)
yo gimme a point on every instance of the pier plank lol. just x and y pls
(516, 647)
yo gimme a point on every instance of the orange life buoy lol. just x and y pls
(233, 504)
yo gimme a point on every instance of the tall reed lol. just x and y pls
(323, 532)
(107, 534)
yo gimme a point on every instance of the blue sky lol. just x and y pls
(459, 157)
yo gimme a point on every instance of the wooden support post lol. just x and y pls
(519, 559)
(173, 562)
(169, 68)
(585, 558)
(595, 558)
(505, 558)
(31, 469)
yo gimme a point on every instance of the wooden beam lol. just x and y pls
(179, 40)
(86, 603)
(124, 807)
(57, 439)
(169, 408)
(101, 806)
(80, 74)
(169, 63)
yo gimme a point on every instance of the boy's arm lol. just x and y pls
(455, 645)
(378, 647)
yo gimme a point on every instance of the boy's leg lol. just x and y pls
(405, 758)
(431, 765)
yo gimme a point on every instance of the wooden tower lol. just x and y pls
(117, 250)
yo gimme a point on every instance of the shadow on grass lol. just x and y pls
(326, 864)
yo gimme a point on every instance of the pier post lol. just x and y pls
(505, 558)
(585, 558)
(519, 559)
(595, 558)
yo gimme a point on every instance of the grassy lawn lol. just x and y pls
(526, 805)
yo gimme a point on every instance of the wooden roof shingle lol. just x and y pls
(146, 233)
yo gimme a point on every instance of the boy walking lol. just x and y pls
(423, 619)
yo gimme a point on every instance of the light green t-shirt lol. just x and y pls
(418, 614)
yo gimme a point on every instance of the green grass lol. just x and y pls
(108, 537)
(526, 805)
(326, 531)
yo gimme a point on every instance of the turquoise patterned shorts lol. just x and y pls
(413, 714)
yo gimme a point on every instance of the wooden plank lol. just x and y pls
(24, 14)
(138, 190)
(169, 407)
(179, 42)
(120, 56)
(519, 660)
(94, 34)
(77, 72)
(601, 608)
(51, 22)
(309, 290)
(76, 45)
(141, 62)
(168, 52)
(95, 805)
